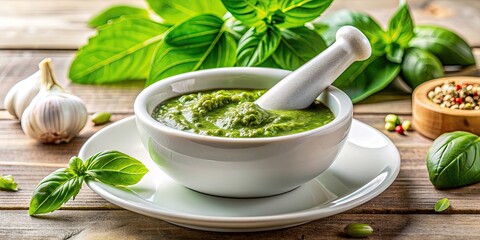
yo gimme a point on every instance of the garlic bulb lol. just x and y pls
(21, 94)
(53, 116)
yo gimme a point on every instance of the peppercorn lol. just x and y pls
(392, 118)
(389, 126)
(455, 96)
(406, 125)
(399, 129)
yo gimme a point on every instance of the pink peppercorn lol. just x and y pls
(399, 129)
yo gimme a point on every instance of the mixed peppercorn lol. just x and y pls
(393, 123)
(456, 96)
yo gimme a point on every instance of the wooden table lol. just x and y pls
(32, 30)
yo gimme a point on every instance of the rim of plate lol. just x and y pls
(298, 216)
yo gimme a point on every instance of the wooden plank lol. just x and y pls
(17, 148)
(50, 24)
(127, 225)
(462, 16)
(17, 65)
(411, 192)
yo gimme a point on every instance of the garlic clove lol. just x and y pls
(53, 116)
(21, 94)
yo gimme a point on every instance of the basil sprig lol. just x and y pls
(110, 167)
(195, 35)
(415, 53)
(7, 183)
(203, 34)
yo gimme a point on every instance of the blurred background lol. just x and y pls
(34, 29)
(60, 24)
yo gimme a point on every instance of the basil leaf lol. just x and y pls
(77, 165)
(364, 78)
(453, 160)
(116, 12)
(54, 190)
(450, 48)
(329, 26)
(420, 66)
(203, 28)
(442, 205)
(120, 51)
(216, 50)
(270, 63)
(115, 168)
(298, 12)
(297, 46)
(255, 47)
(250, 12)
(400, 27)
(174, 11)
(395, 53)
(236, 28)
(7, 183)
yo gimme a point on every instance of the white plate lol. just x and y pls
(366, 166)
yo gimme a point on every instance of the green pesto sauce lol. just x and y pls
(232, 113)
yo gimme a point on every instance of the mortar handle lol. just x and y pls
(300, 88)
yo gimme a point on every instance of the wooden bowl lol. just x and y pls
(431, 120)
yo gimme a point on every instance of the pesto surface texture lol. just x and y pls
(233, 113)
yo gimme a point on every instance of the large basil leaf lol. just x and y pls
(7, 183)
(298, 12)
(297, 46)
(400, 27)
(250, 12)
(174, 11)
(236, 28)
(450, 48)
(255, 47)
(196, 30)
(329, 26)
(54, 190)
(419, 66)
(453, 160)
(270, 63)
(364, 78)
(115, 168)
(120, 51)
(116, 12)
(211, 47)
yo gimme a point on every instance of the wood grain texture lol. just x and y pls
(127, 225)
(36, 29)
(461, 15)
(17, 148)
(16, 65)
(46, 24)
(410, 193)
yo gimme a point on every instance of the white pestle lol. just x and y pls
(300, 88)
